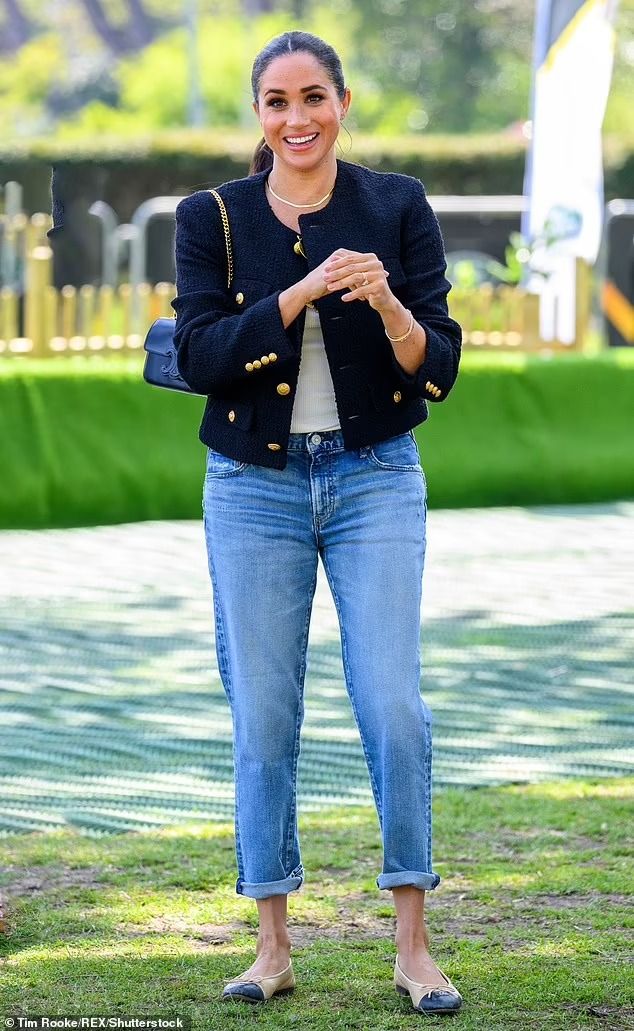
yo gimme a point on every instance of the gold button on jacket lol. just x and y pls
(274, 447)
(231, 415)
(283, 388)
(397, 395)
(239, 297)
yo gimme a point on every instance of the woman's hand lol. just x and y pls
(362, 274)
(314, 283)
(345, 269)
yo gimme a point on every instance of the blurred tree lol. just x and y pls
(254, 7)
(16, 28)
(140, 28)
(414, 66)
(449, 54)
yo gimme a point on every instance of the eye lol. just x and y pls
(274, 101)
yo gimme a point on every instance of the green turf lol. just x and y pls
(532, 920)
(520, 430)
(88, 442)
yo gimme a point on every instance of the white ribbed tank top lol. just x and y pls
(314, 407)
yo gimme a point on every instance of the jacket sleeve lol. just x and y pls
(423, 260)
(214, 341)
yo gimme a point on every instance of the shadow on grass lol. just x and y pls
(151, 923)
(116, 723)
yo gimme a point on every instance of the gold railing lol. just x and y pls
(105, 320)
(89, 319)
(507, 317)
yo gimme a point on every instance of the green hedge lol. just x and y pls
(126, 172)
(91, 443)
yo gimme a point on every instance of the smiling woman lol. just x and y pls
(317, 366)
(301, 104)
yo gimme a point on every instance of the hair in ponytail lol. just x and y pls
(262, 158)
(292, 43)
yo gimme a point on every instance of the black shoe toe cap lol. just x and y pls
(252, 992)
(440, 1002)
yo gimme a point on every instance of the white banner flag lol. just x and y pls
(573, 56)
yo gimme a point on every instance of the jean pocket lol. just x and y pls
(219, 465)
(397, 453)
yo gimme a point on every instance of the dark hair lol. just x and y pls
(292, 43)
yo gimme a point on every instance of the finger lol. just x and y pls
(347, 281)
(356, 295)
(339, 274)
(342, 253)
(356, 276)
(353, 260)
(341, 282)
(345, 268)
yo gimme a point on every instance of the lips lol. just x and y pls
(301, 142)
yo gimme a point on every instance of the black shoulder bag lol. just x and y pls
(160, 367)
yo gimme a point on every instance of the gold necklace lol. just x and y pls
(290, 202)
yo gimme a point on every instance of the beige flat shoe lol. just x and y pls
(443, 997)
(259, 989)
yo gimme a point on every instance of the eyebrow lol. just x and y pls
(304, 89)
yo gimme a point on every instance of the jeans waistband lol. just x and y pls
(325, 440)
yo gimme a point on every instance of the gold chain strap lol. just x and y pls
(225, 226)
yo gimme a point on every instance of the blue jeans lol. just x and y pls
(364, 512)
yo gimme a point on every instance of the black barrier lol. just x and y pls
(477, 224)
(617, 261)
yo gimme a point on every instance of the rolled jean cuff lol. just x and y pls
(427, 881)
(266, 888)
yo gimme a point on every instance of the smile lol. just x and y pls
(296, 141)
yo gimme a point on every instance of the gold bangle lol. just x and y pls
(397, 340)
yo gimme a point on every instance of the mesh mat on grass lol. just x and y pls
(113, 716)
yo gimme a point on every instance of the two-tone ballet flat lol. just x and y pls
(442, 997)
(260, 989)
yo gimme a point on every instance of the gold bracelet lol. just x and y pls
(397, 340)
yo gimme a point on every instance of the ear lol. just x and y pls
(256, 108)
(345, 103)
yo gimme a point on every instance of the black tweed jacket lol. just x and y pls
(232, 345)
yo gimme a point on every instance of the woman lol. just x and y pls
(316, 372)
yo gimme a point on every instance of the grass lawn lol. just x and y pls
(530, 921)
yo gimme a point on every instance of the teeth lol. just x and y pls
(300, 139)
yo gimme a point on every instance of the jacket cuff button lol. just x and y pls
(249, 366)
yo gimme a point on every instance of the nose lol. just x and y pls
(297, 116)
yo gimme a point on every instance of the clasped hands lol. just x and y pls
(362, 275)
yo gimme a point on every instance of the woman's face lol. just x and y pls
(299, 110)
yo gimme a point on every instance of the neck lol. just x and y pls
(302, 186)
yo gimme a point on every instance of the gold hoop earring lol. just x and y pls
(349, 137)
